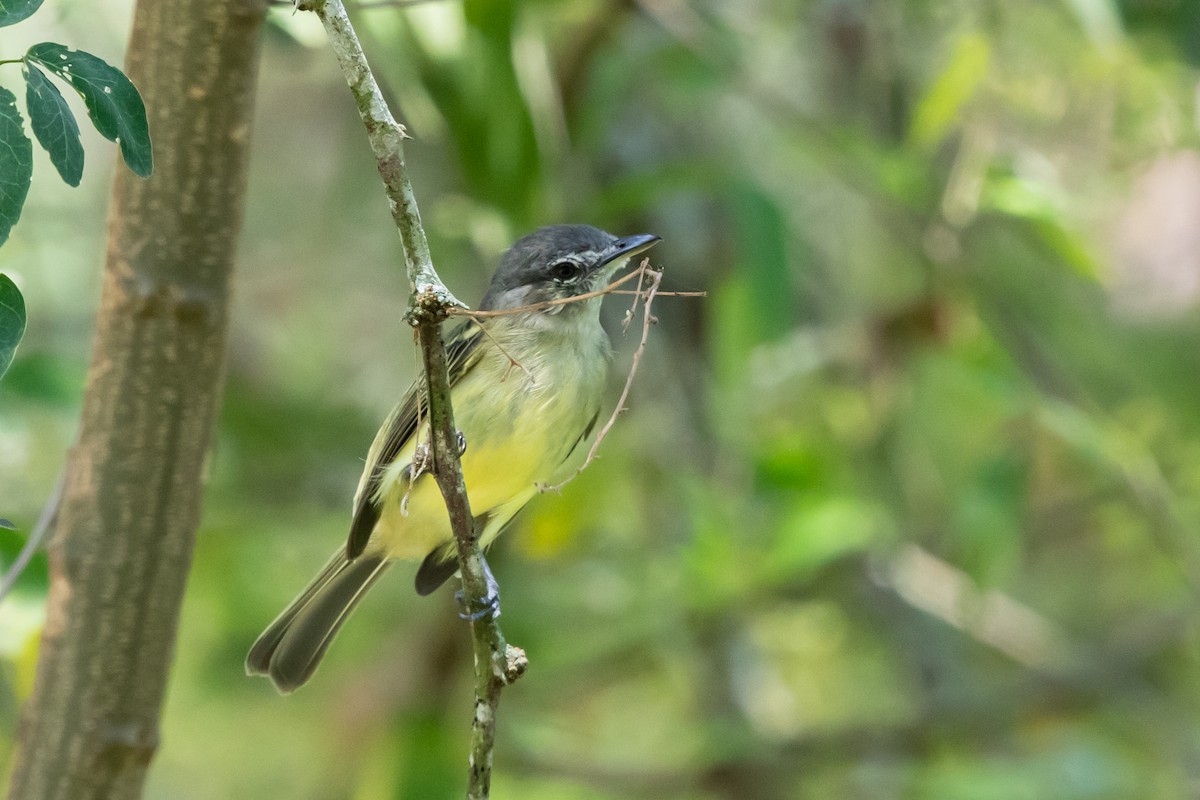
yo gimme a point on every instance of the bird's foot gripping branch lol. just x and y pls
(496, 664)
(542, 315)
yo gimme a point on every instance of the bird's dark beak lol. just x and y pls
(629, 246)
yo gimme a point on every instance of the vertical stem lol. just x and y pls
(496, 664)
(386, 137)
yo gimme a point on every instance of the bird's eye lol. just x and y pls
(565, 270)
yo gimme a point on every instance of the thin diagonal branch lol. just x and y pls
(43, 526)
(496, 663)
(386, 136)
(612, 288)
(547, 303)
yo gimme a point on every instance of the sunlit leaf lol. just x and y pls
(13, 11)
(112, 100)
(12, 321)
(1101, 20)
(820, 531)
(54, 125)
(16, 163)
(942, 105)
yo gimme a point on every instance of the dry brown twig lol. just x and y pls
(637, 295)
(579, 298)
(663, 294)
(648, 282)
(647, 320)
(646, 295)
(512, 362)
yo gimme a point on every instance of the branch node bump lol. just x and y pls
(515, 663)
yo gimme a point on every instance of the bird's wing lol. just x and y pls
(462, 352)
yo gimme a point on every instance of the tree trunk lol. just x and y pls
(120, 556)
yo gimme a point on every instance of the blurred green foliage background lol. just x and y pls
(907, 507)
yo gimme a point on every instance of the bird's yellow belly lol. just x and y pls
(515, 439)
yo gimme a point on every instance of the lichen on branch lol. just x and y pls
(430, 303)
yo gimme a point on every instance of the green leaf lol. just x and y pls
(942, 105)
(112, 100)
(53, 124)
(12, 320)
(13, 11)
(16, 163)
(762, 240)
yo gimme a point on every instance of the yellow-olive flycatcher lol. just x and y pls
(526, 390)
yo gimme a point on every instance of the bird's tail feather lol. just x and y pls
(291, 647)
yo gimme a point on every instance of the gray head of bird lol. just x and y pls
(559, 262)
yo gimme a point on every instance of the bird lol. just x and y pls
(526, 389)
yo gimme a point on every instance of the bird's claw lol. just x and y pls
(491, 607)
(491, 602)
